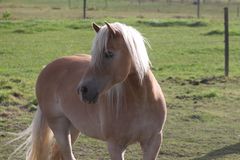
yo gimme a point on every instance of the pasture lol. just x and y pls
(187, 59)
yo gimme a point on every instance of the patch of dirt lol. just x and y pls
(194, 117)
(172, 106)
(56, 8)
(6, 87)
(15, 80)
(5, 114)
(192, 97)
(17, 95)
(205, 80)
(2, 135)
(174, 80)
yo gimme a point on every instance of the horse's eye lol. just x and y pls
(108, 54)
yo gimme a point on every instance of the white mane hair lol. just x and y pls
(135, 43)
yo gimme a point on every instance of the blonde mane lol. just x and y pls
(134, 42)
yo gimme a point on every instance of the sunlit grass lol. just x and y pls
(203, 106)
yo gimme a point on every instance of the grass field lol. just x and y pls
(187, 56)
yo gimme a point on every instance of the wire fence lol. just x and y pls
(177, 8)
(129, 8)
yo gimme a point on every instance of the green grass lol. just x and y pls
(187, 57)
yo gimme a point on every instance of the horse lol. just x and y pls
(111, 95)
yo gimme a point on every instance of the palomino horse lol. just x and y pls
(112, 96)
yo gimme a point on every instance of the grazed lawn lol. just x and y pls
(187, 56)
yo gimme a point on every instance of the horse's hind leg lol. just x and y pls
(61, 127)
(151, 147)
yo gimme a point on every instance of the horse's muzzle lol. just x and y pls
(87, 94)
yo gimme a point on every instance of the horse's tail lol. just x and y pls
(39, 139)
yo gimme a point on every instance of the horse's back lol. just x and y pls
(58, 76)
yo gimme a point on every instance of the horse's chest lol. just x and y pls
(130, 125)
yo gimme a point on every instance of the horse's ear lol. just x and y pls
(112, 31)
(96, 27)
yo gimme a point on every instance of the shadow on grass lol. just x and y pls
(221, 32)
(214, 32)
(171, 23)
(232, 149)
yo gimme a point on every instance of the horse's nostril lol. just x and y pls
(84, 89)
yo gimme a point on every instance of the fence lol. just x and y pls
(191, 8)
(136, 8)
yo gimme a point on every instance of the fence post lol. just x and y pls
(84, 9)
(226, 41)
(198, 8)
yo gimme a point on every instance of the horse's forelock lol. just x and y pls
(98, 47)
(135, 44)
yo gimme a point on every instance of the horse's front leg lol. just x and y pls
(151, 147)
(61, 128)
(116, 151)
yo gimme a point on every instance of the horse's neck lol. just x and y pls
(142, 89)
(133, 90)
(131, 95)
(134, 86)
